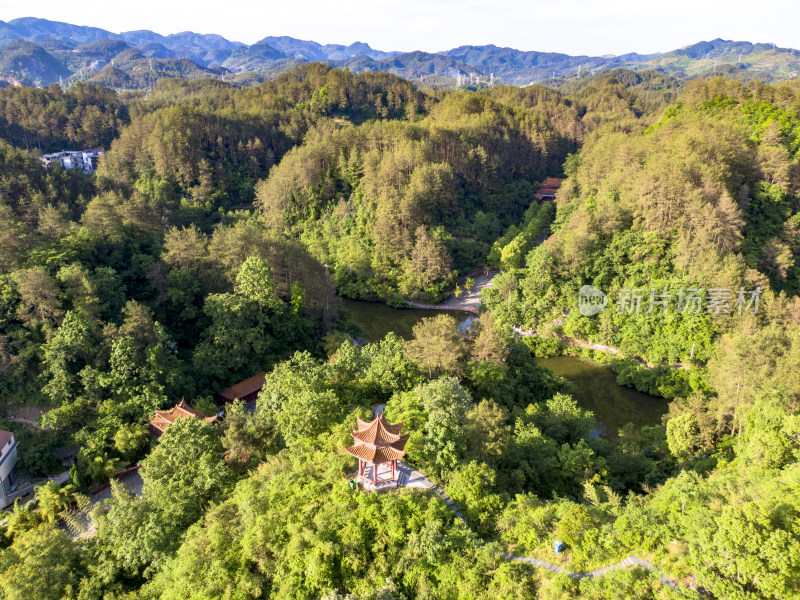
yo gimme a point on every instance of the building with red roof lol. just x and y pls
(165, 418)
(549, 188)
(246, 390)
(377, 444)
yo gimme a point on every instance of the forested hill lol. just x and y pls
(221, 231)
(38, 52)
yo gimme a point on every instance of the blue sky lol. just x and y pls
(594, 27)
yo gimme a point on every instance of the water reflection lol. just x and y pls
(596, 389)
(595, 386)
(379, 319)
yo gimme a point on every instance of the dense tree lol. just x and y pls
(409, 205)
(212, 245)
(51, 119)
(438, 345)
(255, 282)
(297, 401)
(133, 535)
(185, 472)
(41, 563)
(247, 439)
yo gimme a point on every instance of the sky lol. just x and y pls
(594, 27)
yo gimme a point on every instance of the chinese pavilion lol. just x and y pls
(378, 446)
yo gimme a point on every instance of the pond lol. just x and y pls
(595, 385)
(379, 319)
(596, 389)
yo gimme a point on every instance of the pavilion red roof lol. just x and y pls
(378, 431)
(375, 454)
(378, 441)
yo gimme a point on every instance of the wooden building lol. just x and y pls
(549, 188)
(378, 446)
(246, 390)
(165, 418)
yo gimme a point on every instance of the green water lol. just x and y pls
(595, 386)
(379, 319)
(596, 389)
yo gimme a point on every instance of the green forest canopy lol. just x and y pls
(214, 242)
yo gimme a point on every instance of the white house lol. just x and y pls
(90, 158)
(85, 160)
(8, 466)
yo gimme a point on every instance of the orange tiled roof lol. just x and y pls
(392, 428)
(165, 418)
(378, 441)
(244, 388)
(376, 432)
(552, 182)
(374, 454)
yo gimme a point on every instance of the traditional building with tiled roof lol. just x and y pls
(549, 189)
(165, 418)
(375, 444)
(246, 390)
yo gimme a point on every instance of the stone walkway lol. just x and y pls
(84, 526)
(410, 477)
(467, 301)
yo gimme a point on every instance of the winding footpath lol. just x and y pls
(471, 302)
(410, 477)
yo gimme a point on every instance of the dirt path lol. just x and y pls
(467, 301)
(598, 347)
(471, 302)
(28, 415)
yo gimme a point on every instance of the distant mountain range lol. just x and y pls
(38, 52)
